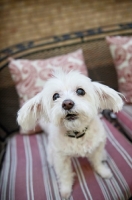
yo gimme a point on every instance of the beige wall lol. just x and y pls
(22, 20)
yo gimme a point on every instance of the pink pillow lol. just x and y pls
(31, 75)
(121, 51)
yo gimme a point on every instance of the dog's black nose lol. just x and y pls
(67, 104)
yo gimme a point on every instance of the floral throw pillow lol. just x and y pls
(121, 51)
(30, 75)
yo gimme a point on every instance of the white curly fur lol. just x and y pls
(52, 118)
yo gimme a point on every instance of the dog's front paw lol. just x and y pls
(65, 192)
(104, 156)
(104, 171)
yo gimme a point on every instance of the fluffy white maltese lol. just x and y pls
(67, 110)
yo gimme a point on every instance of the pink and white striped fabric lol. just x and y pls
(26, 175)
(124, 117)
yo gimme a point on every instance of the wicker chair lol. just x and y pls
(24, 170)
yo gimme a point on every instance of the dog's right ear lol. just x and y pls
(30, 113)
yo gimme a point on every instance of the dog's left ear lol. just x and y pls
(30, 113)
(107, 97)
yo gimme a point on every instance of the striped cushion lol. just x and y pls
(26, 176)
(124, 117)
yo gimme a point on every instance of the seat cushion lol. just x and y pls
(26, 175)
(124, 117)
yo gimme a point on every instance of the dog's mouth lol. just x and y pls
(71, 117)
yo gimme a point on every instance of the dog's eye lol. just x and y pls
(80, 92)
(55, 96)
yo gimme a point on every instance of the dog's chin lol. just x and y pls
(74, 121)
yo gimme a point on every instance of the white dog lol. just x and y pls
(67, 109)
